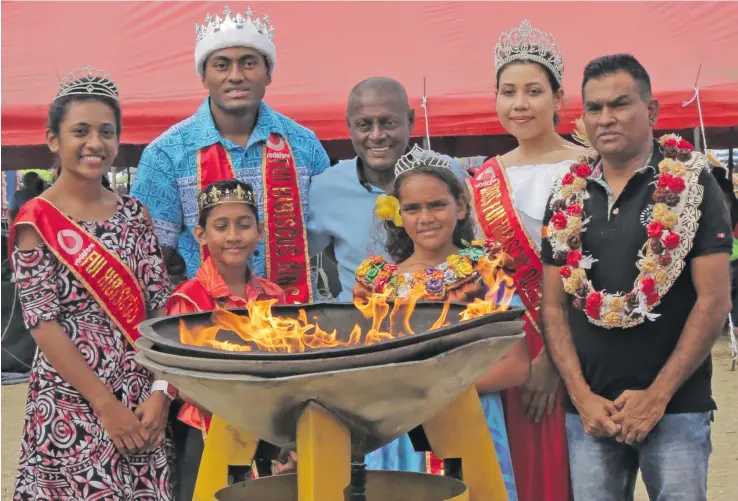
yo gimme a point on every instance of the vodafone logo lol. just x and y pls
(70, 241)
(484, 184)
(278, 146)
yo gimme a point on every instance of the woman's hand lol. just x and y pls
(540, 391)
(123, 427)
(153, 414)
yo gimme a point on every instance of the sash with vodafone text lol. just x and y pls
(110, 281)
(286, 253)
(497, 217)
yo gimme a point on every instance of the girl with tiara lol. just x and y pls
(529, 69)
(88, 269)
(428, 223)
(228, 231)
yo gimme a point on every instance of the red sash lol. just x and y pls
(213, 164)
(493, 205)
(286, 254)
(539, 451)
(110, 281)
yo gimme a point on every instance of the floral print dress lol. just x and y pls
(66, 455)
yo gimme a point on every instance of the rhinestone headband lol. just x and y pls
(237, 22)
(214, 196)
(417, 157)
(87, 81)
(528, 43)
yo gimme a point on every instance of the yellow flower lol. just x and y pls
(666, 166)
(464, 269)
(388, 208)
(575, 223)
(453, 260)
(570, 286)
(563, 235)
(659, 276)
(579, 274)
(648, 265)
(363, 268)
(566, 191)
(659, 212)
(670, 220)
(419, 288)
(617, 303)
(678, 169)
(580, 184)
(612, 318)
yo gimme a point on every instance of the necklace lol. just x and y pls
(671, 228)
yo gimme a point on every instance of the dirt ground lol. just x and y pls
(723, 463)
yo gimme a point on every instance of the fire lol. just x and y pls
(262, 331)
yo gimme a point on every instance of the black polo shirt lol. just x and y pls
(615, 360)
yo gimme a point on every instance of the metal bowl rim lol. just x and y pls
(175, 347)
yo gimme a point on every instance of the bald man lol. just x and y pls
(342, 198)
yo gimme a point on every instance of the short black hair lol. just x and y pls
(607, 65)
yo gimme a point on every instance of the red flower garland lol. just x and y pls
(662, 237)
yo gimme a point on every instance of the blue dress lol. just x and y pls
(401, 455)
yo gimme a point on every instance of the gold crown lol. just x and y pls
(214, 196)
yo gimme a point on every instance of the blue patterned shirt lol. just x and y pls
(166, 179)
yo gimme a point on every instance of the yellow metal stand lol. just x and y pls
(224, 446)
(324, 453)
(460, 431)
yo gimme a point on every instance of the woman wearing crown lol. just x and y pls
(434, 257)
(88, 269)
(509, 194)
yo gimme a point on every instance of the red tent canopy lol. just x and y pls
(326, 48)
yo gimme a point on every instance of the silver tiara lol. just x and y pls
(416, 157)
(237, 22)
(89, 82)
(528, 43)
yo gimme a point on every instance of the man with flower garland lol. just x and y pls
(633, 305)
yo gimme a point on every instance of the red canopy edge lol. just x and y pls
(148, 49)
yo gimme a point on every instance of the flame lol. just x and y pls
(262, 331)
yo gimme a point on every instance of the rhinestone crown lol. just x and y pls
(416, 157)
(237, 22)
(528, 43)
(87, 81)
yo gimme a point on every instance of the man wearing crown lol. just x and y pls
(633, 305)
(234, 134)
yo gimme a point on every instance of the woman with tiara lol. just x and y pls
(88, 270)
(514, 187)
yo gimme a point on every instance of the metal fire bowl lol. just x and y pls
(380, 486)
(377, 403)
(425, 347)
(164, 331)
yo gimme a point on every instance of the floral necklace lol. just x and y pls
(671, 229)
(433, 282)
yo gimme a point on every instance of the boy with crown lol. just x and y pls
(234, 134)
